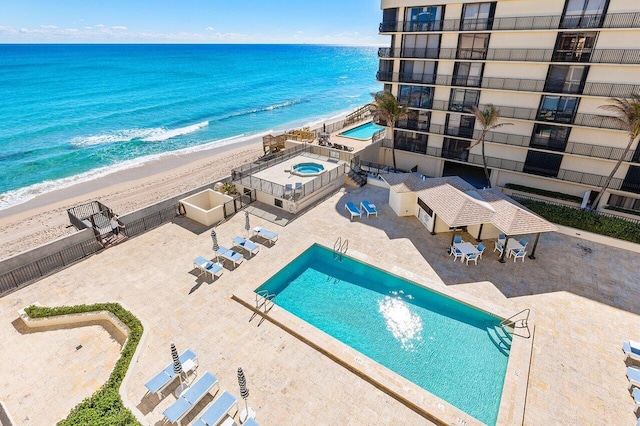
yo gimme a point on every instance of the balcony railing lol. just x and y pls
(513, 84)
(596, 56)
(545, 22)
(518, 166)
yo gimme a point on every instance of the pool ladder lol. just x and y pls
(340, 248)
(264, 301)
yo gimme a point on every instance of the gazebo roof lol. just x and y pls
(458, 203)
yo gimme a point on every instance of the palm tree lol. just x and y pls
(627, 115)
(488, 120)
(387, 108)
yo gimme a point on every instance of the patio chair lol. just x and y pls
(633, 374)
(523, 243)
(247, 245)
(265, 234)
(352, 209)
(502, 238)
(631, 350)
(499, 247)
(288, 190)
(456, 253)
(518, 254)
(218, 410)
(230, 255)
(191, 397)
(204, 265)
(480, 247)
(166, 376)
(472, 256)
(369, 208)
(457, 239)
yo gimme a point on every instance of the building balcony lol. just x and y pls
(607, 90)
(594, 56)
(545, 22)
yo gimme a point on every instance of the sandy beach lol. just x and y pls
(44, 218)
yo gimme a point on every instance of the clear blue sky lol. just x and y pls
(346, 22)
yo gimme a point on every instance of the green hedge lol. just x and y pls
(586, 220)
(550, 194)
(105, 406)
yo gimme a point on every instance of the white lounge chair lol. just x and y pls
(247, 245)
(631, 350)
(369, 208)
(206, 266)
(218, 410)
(265, 234)
(230, 255)
(636, 398)
(191, 397)
(166, 376)
(633, 374)
(353, 210)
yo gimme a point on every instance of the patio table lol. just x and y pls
(466, 248)
(513, 245)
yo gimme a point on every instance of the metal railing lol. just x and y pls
(508, 23)
(597, 56)
(238, 203)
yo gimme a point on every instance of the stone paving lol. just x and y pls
(584, 298)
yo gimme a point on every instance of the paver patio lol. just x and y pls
(584, 296)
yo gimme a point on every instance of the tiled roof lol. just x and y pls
(513, 218)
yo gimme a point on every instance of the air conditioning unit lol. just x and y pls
(290, 206)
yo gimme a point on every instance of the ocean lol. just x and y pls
(73, 113)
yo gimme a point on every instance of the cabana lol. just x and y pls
(450, 203)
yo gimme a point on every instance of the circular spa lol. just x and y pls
(307, 169)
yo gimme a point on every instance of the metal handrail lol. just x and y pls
(517, 324)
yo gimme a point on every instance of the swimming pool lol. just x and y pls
(363, 132)
(438, 343)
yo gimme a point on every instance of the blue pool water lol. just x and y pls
(436, 342)
(364, 132)
(308, 168)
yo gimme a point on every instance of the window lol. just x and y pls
(460, 125)
(559, 109)
(389, 18)
(420, 46)
(574, 47)
(566, 78)
(456, 149)
(416, 96)
(385, 70)
(583, 13)
(467, 74)
(411, 141)
(463, 100)
(546, 136)
(418, 72)
(277, 202)
(472, 46)
(626, 203)
(542, 163)
(477, 16)
(631, 182)
(416, 120)
(424, 18)
(425, 207)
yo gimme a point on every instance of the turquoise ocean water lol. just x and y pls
(72, 113)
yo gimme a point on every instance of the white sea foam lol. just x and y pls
(165, 134)
(154, 134)
(21, 195)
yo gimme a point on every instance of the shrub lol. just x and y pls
(586, 220)
(105, 406)
(545, 193)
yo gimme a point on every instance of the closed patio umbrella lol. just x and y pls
(214, 239)
(177, 368)
(247, 226)
(247, 412)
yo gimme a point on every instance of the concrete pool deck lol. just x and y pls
(585, 297)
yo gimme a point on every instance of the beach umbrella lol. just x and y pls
(244, 393)
(247, 226)
(214, 239)
(177, 367)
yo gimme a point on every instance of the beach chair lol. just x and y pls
(633, 374)
(352, 209)
(636, 398)
(265, 234)
(206, 266)
(166, 376)
(230, 255)
(247, 245)
(218, 410)
(191, 397)
(250, 422)
(369, 208)
(631, 350)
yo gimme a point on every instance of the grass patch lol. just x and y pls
(545, 193)
(104, 407)
(586, 220)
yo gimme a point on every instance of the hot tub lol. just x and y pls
(307, 169)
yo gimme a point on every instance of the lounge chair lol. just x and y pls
(230, 255)
(247, 245)
(633, 374)
(636, 398)
(265, 234)
(218, 410)
(250, 422)
(204, 265)
(352, 209)
(191, 397)
(631, 350)
(369, 208)
(166, 376)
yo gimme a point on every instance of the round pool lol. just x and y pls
(307, 169)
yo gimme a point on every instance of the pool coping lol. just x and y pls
(418, 399)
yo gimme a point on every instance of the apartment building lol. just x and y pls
(546, 64)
